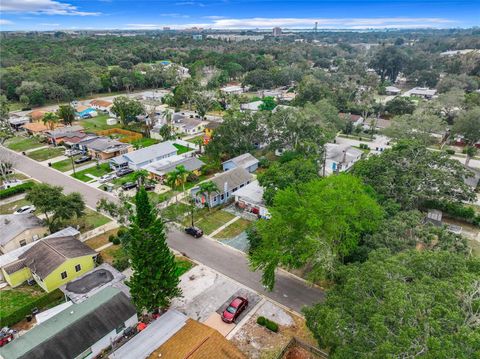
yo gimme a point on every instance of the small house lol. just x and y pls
(227, 183)
(188, 125)
(356, 120)
(18, 230)
(68, 133)
(232, 90)
(101, 105)
(160, 169)
(51, 262)
(103, 148)
(392, 90)
(251, 106)
(81, 330)
(39, 128)
(423, 92)
(246, 161)
(340, 158)
(144, 156)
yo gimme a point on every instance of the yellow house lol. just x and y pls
(52, 262)
(209, 129)
(18, 230)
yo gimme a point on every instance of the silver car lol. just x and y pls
(25, 209)
(108, 177)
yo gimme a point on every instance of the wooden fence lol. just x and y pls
(295, 342)
(130, 136)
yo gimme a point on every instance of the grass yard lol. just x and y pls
(11, 207)
(183, 265)
(44, 154)
(233, 230)
(65, 165)
(121, 180)
(20, 143)
(92, 220)
(97, 123)
(97, 171)
(182, 149)
(101, 239)
(159, 198)
(209, 221)
(195, 139)
(144, 142)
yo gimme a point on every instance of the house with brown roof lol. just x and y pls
(72, 134)
(356, 120)
(37, 115)
(51, 262)
(101, 105)
(104, 148)
(39, 128)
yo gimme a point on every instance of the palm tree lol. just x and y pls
(182, 174)
(172, 181)
(207, 188)
(50, 119)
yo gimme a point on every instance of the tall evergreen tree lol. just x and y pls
(154, 282)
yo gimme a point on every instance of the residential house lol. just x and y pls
(160, 169)
(228, 183)
(52, 262)
(80, 331)
(251, 106)
(392, 90)
(85, 111)
(356, 120)
(340, 158)
(144, 156)
(18, 121)
(39, 128)
(209, 129)
(232, 90)
(187, 125)
(13, 256)
(287, 96)
(103, 148)
(378, 123)
(246, 161)
(276, 93)
(250, 199)
(422, 92)
(69, 133)
(101, 105)
(37, 115)
(175, 336)
(17, 230)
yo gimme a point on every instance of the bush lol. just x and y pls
(450, 151)
(116, 241)
(5, 193)
(271, 326)
(262, 321)
(111, 238)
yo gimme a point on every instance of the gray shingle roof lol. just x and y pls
(103, 144)
(74, 330)
(232, 178)
(246, 160)
(150, 153)
(45, 256)
(164, 166)
(12, 225)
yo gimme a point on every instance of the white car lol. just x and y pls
(108, 177)
(25, 209)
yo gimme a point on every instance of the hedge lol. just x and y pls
(270, 325)
(22, 312)
(456, 210)
(5, 193)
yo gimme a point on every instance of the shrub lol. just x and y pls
(116, 241)
(271, 326)
(262, 321)
(111, 238)
(450, 151)
(5, 193)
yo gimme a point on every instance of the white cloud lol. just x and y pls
(48, 24)
(5, 22)
(190, 3)
(176, 15)
(45, 7)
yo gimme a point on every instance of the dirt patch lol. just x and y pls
(101, 239)
(299, 353)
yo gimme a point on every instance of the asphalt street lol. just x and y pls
(289, 290)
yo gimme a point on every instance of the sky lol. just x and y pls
(236, 14)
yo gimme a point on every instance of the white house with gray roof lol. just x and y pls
(227, 183)
(340, 158)
(161, 168)
(144, 156)
(18, 230)
(246, 161)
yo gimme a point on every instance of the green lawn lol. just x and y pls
(92, 220)
(209, 221)
(195, 139)
(12, 206)
(97, 171)
(183, 265)
(97, 123)
(66, 165)
(182, 149)
(128, 178)
(46, 153)
(20, 143)
(144, 142)
(23, 299)
(234, 229)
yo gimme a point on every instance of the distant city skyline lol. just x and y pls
(45, 15)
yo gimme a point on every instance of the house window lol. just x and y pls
(242, 185)
(120, 328)
(63, 275)
(23, 242)
(233, 190)
(222, 197)
(78, 268)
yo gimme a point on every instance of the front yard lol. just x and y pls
(92, 219)
(209, 221)
(101, 239)
(11, 207)
(182, 149)
(20, 143)
(66, 164)
(96, 123)
(96, 171)
(234, 229)
(44, 154)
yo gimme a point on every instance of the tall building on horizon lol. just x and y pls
(277, 31)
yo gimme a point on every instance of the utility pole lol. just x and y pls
(73, 165)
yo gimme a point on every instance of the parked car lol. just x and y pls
(11, 183)
(149, 186)
(108, 177)
(234, 309)
(194, 231)
(124, 171)
(129, 185)
(25, 209)
(70, 153)
(83, 159)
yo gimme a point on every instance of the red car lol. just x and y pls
(234, 309)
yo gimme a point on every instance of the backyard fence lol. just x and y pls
(295, 342)
(128, 136)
